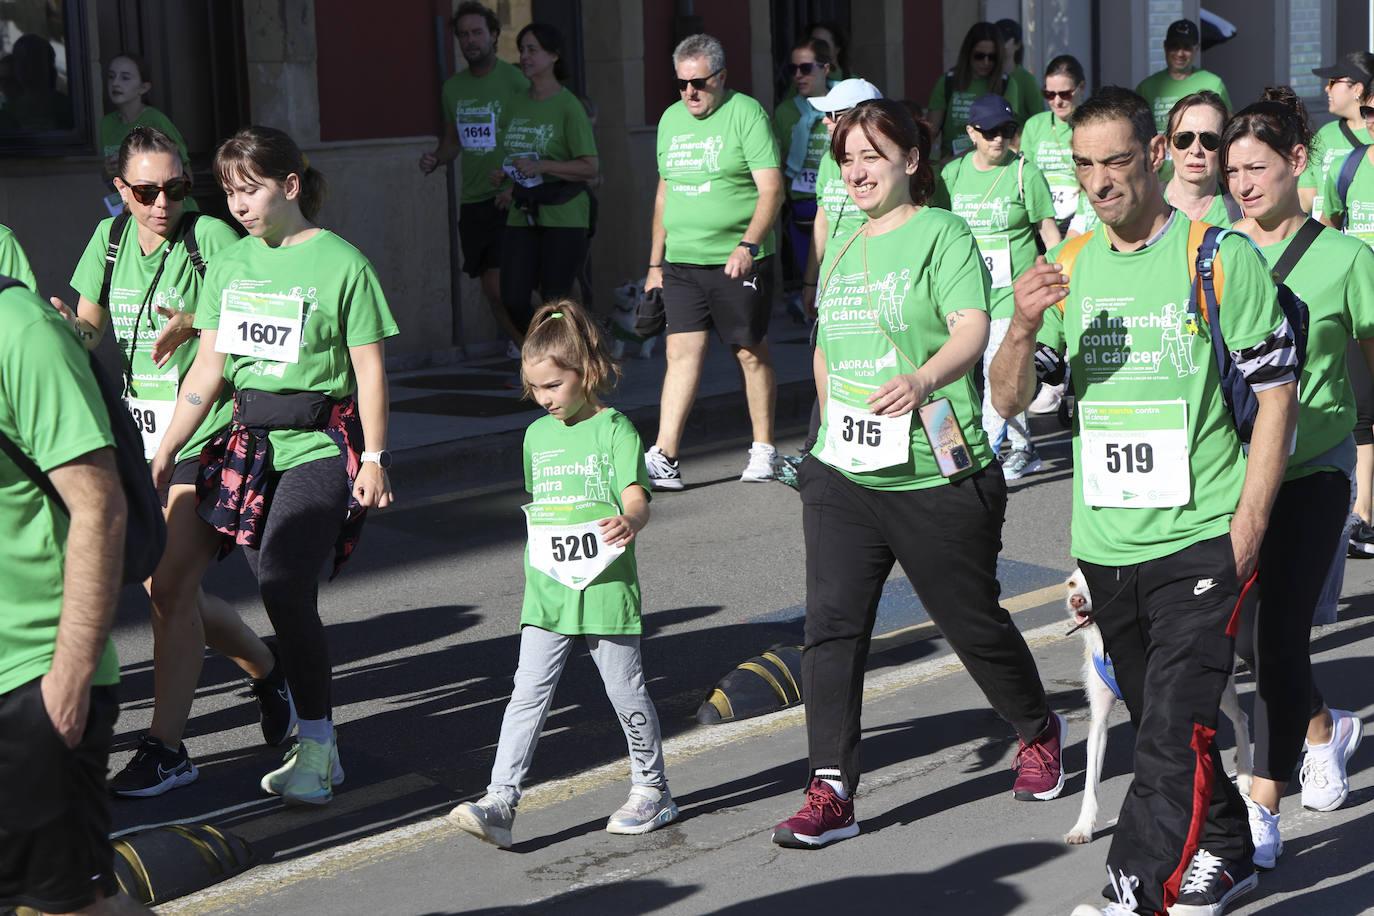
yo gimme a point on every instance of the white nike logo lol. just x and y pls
(1203, 585)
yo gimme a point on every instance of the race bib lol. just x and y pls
(996, 252)
(477, 130)
(961, 145)
(1135, 454)
(805, 182)
(151, 403)
(1064, 193)
(565, 541)
(856, 439)
(260, 325)
(519, 177)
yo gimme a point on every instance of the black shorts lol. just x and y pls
(480, 227)
(55, 852)
(185, 471)
(699, 298)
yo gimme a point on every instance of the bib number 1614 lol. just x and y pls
(1130, 457)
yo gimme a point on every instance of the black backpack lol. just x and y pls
(146, 533)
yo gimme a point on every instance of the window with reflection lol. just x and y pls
(43, 103)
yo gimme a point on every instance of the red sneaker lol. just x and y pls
(824, 819)
(1039, 765)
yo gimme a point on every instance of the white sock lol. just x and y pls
(834, 779)
(321, 730)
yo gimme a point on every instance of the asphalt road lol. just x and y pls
(422, 626)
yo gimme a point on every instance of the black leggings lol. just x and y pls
(303, 521)
(536, 257)
(1304, 533)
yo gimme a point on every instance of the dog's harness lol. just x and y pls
(1102, 664)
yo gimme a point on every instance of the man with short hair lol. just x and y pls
(1179, 78)
(61, 570)
(719, 191)
(1168, 510)
(472, 104)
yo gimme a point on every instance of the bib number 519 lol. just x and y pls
(1133, 459)
(862, 432)
(258, 332)
(570, 547)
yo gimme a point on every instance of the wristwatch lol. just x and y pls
(382, 459)
(750, 247)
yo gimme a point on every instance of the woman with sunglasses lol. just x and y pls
(980, 69)
(1194, 135)
(550, 155)
(1047, 138)
(903, 471)
(802, 135)
(295, 318)
(1265, 150)
(151, 293)
(1349, 84)
(1006, 202)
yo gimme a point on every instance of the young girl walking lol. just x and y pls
(584, 469)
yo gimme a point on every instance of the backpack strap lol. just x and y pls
(1348, 133)
(1068, 254)
(1020, 177)
(188, 240)
(1207, 283)
(1349, 167)
(1233, 211)
(111, 253)
(1302, 240)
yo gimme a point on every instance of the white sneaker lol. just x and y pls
(646, 809)
(663, 474)
(1020, 462)
(1264, 831)
(489, 819)
(1047, 399)
(760, 466)
(1125, 898)
(1324, 783)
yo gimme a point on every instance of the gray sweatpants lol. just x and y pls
(542, 657)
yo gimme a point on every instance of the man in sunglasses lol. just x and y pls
(1168, 511)
(719, 191)
(1180, 77)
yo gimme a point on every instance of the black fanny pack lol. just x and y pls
(293, 410)
(550, 192)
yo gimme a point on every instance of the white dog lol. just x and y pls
(626, 298)
(1102, 696)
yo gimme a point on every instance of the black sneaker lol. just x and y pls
(1211, 884)
(153, 770)
(275, 707)
(1361, 540)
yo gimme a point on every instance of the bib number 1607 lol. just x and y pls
(1137, 458)
(570, 547)
(862, 432)
(258, 332)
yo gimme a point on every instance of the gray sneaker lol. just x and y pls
(489, 819)
(646, 809)
(1020, 462)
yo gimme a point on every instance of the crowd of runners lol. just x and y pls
(1196, 281)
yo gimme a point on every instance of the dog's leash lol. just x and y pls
(1099, 608)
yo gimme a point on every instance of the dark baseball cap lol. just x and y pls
(1010, 29)
(1182, 33)
(989, 111)
(1345, 68)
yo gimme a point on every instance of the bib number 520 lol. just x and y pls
(1133, 458)
(258, 332)
(862, 432)
(570, 547)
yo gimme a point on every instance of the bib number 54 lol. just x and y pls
(1132, 458)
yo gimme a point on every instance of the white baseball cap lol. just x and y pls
(846, 94)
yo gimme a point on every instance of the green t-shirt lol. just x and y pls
(708, 165)
(1356, 212)
(555, 128)
(178, 286)
(1162, 91)
(1335, 277)
(329, 283)
(1330, 146)
(1145, 377)
(13, 262)
(50, 407)
(1047, 143)
(1218, 213)
(595, 459)
(113, 131)
(474, 106)
(886, 319)
(954, 139)
(1030, 101)
(802, 183)
(842, 215)
(1003, 206)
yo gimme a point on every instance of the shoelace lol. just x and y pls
(1033, 759)
(1124, 888)
(1205, 867)
(1313, 772)
(819, 800)
(659, 464)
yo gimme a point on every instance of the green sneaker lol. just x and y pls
(308, 774)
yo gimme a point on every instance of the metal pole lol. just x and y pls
(450, 173)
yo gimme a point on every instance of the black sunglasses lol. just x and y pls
(804, 69)
(1366, 112)
(983, 56)
(1051, 94)
(1006, 131)
(146, 194)
(698, 83)
(1210, 142)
